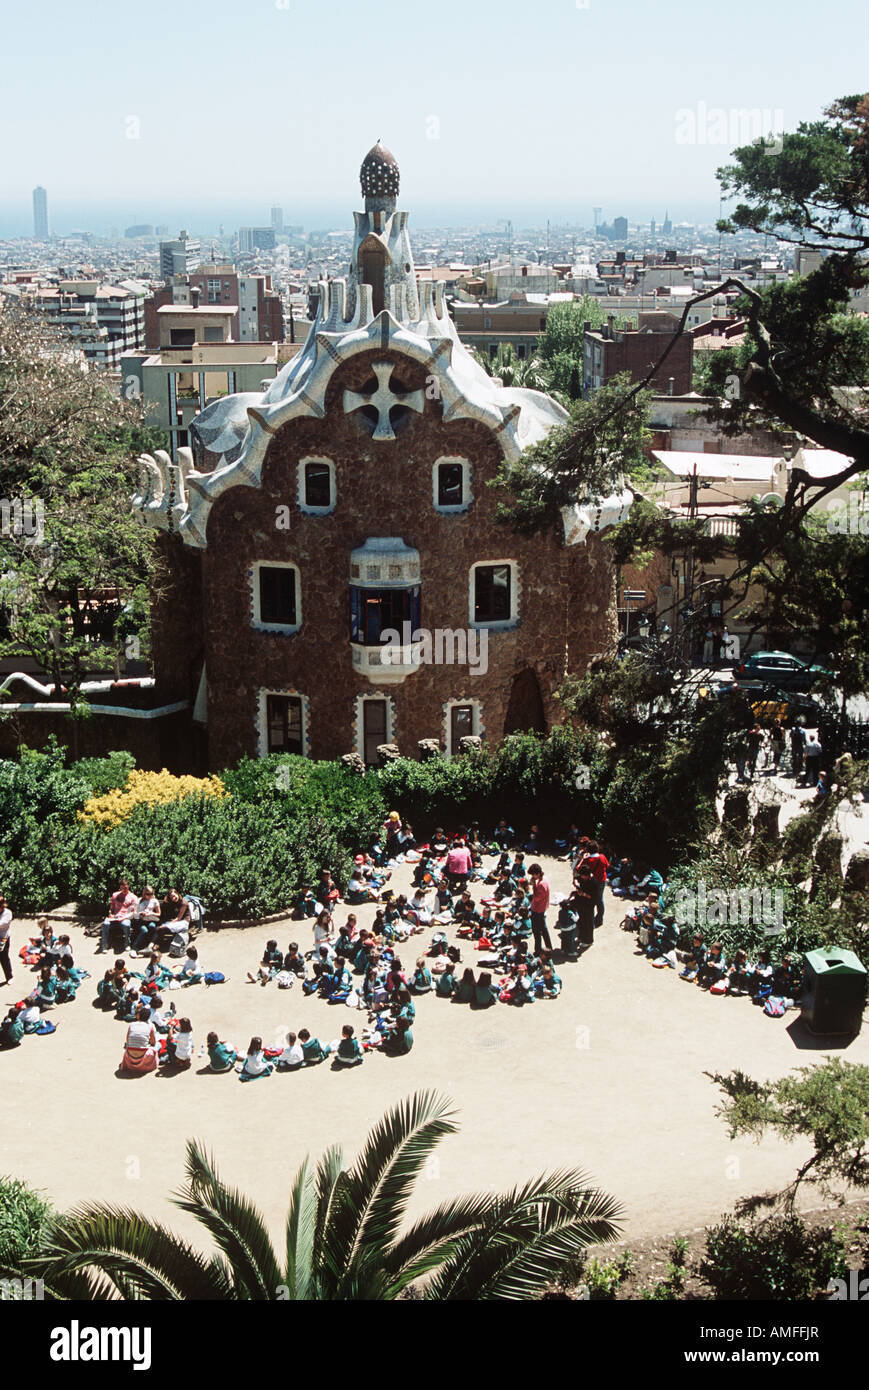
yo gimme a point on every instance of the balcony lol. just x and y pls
(385, 664)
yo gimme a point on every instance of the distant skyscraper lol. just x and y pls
(278, 219)
(620, 228)
(40, 214)
(179, 257)
(653, 227)
(597, 212)
(668, 225)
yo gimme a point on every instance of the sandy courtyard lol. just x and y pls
(608, 1078)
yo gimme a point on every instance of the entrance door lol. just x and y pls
(373, 729)
(461, 724)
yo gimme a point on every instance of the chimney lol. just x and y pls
(195, 292)
(672, 384)
(610, 325)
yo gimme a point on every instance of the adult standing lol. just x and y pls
(598, 863)
(813, 752)
(777, 742)
(539, 904)
(754, 739)
(459, 865)
(5, 942)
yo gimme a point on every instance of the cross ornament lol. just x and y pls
(383, 400)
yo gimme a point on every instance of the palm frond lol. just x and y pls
(236, 1225)
(123, 1255)
(301, 1234)
(382, 1178)
(526, 1237)
(430, 1241)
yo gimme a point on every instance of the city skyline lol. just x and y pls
(586, 118)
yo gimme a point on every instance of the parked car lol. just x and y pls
(779, 669)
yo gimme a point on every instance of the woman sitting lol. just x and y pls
(419, 910)
(255, 1064)
(177, 917)
(140, 1047)
(221, 1056)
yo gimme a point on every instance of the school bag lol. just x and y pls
(197, 908)
(214, 977)
(774, 1006)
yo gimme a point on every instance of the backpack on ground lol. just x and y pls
(214, 977)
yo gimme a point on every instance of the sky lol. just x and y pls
(201, 112)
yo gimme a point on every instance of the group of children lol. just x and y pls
(57, 983)
(665, 944)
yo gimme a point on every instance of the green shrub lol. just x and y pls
(104, 774)
(23, 1214)
(603, 1278)
(779, 1258)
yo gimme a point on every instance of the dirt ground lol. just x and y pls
(609, 1078)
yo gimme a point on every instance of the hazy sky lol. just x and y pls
(494, 108)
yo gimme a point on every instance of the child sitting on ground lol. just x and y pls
(293, 1057)
(546, 983)
(255, 1064)
(714, 968)
(313, 1050)
(421, 982)
(12, 1028)
(221, 1056)
(294, 961)
(349, 1051)
(179, 1046)
(738, 975)
(694, 958)
(270, 965)
(191, 972)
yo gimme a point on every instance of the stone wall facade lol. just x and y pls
(566, 613)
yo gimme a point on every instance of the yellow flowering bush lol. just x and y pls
(146, 788)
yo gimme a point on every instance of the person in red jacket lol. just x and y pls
(598, 863)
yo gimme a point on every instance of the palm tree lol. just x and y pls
(344, 1232)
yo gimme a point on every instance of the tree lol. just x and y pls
(583, 460)
(828, 1104)
(813, 193)
(344, 1236)
(74, 564)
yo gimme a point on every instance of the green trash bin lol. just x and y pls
(834, 992)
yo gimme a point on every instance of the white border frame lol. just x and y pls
(300, 486)
(285, 629)
(467, 494)
(502, 624)
(262, 732)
